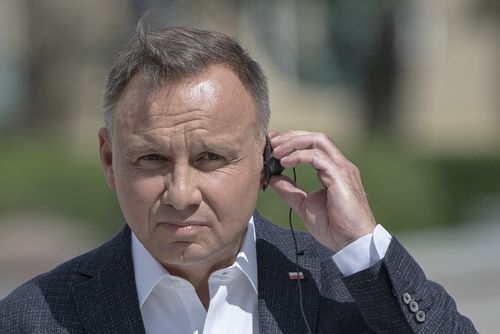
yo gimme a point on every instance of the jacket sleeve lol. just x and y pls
(394, 296)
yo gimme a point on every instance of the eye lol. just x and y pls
(211, 156)
(151, 157)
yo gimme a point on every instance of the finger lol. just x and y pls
(289, 192)
(287, 135)
(313, 157)
(294, 133)
(327, 169)
(271, 133)
(307, 141)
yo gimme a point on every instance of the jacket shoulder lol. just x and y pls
(32, 307)
(283, 239)
(39, 304)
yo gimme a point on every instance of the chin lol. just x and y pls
(183, 254)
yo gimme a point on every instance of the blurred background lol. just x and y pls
(408, 90)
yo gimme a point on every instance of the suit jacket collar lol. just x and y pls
(106, 299)
(279, 303)
(105, 294)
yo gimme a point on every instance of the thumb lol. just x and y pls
(289, 192)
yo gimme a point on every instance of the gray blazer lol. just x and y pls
(96, 293)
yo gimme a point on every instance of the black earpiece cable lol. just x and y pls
(297, 262)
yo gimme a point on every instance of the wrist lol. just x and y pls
(353, 235)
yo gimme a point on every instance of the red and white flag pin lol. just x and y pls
(293, 275)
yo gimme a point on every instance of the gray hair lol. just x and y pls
(168, 55)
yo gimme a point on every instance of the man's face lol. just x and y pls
(185, 160)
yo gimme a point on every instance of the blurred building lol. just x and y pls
(423, 71)
(53, 62)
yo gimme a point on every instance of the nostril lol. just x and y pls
(182, 198)
(181, 188)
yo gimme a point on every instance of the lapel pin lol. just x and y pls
(293, 275)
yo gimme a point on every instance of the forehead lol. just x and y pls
(214, 99)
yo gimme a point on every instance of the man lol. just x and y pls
(186, 116)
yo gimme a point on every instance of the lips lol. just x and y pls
(185, 223)
(183, 229)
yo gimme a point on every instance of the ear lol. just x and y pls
(106, 156)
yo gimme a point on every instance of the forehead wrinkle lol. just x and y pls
(198, 113)
(155, 122)
(187, 121)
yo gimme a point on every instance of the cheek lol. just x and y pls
(137, 195)
(234, 196)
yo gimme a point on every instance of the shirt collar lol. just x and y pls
(148, 271)
(246, 259)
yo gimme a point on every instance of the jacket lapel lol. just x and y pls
(105, 295)
(278, 300)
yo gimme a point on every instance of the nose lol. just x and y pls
(181, 191)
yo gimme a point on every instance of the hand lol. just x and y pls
(336, 214)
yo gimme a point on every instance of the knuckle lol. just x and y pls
(322, 140)
(323, 136)
(346, 166)
(316, 157)
(320, 137)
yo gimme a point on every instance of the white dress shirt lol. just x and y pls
(169, 304)
(364, 252)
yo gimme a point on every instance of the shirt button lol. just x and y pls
(407, 298)
(176, 284)
(413, 306)
(420, 316)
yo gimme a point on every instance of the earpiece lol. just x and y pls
(272, 165)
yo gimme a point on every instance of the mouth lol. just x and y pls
(188, 223)
(183, 229)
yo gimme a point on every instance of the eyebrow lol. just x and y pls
(145, 145)
(219, 146)
(142, 145)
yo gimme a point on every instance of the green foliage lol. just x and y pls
(466, 179)
(47, 177)
(404, 190)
